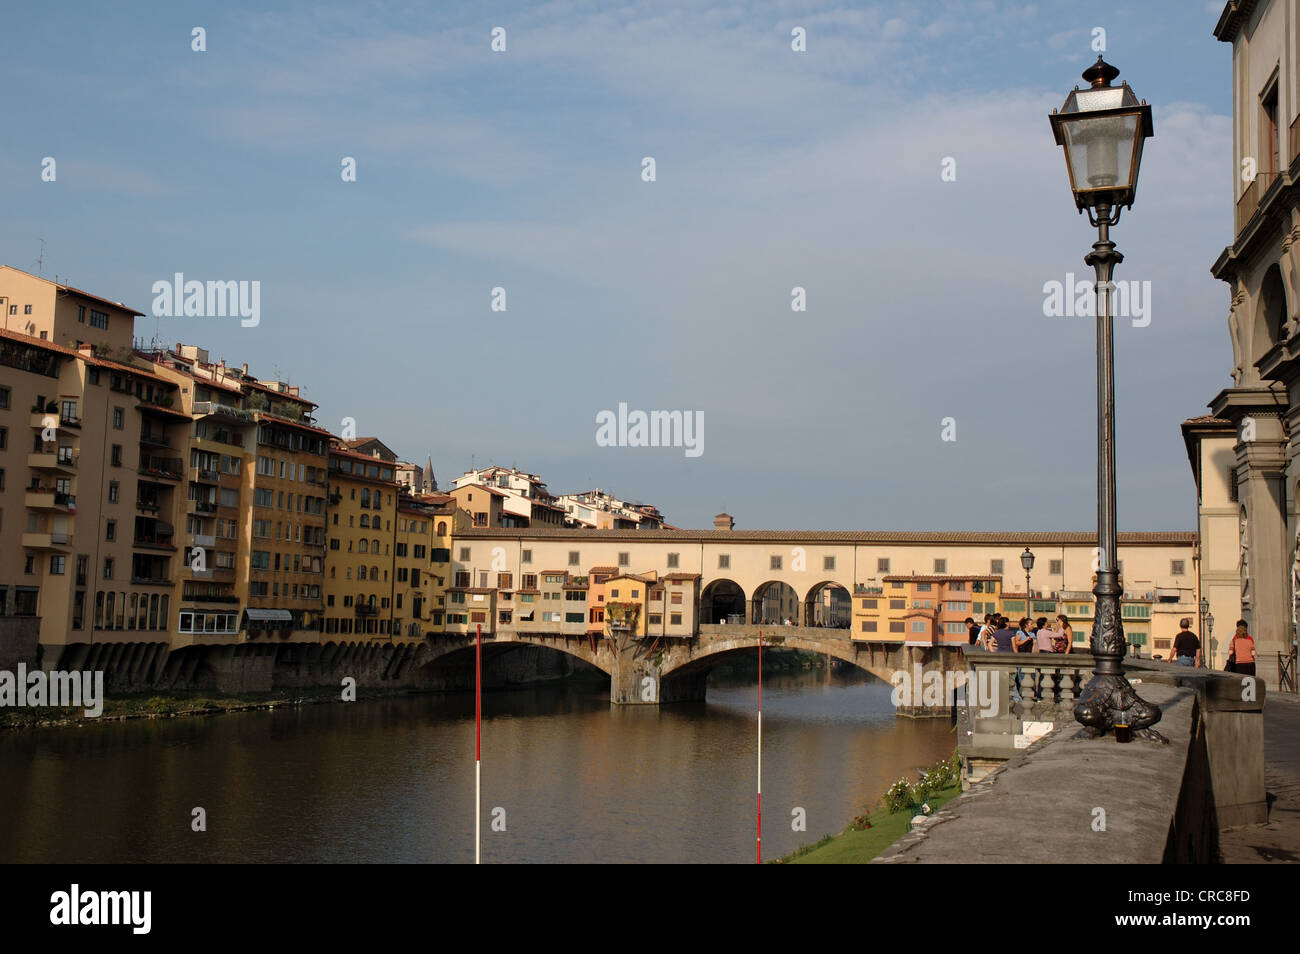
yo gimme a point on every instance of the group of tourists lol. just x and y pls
(1029, 636)
(1241, 650)
(1035, 636)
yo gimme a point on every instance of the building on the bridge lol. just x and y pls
(765, 577)
(360, 585)
(1262, 404)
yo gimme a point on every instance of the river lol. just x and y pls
(575, 779)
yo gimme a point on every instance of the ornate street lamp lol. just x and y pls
(1102, 129)
(1209, 635)
(1027, 561)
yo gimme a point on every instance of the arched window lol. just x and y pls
(361, 573)
(365, 520)
(374, 572)
(374, 545)
(442, 528)
(364, 545)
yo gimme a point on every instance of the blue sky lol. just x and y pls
(775, 169)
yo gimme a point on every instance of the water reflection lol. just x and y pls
(393, 780)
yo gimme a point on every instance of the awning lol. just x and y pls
(279, 615)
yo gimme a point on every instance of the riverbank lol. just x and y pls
(178, 704)
(888, 819)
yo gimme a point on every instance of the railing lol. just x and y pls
(1286, 674)
(204, 506)
(70, 422)
(151, 580)
(364, 609)
(153, 440)
(1294, 141)
(1247, 204)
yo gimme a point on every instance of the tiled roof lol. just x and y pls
(943, 577)
(1011, 538)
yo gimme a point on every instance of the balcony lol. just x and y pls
(43, 419)
(203, 540)
(50, 500)
(62, 463)
(364, 609)
(224, 411)
(46, 541)
(150, 581)
(1247, 204)
(205, 476)
(203, 506)
(154, 440)
(166, 468)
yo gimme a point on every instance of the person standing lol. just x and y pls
(972, 630)
(1187, 646)
(1046, 637)
(1241, 651)
(1024, 640)
(1064, 635)
(1003, 637)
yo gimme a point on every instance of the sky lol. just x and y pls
(923, 388)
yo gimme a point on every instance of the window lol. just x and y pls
(505, 581)
(58, 564)
(918, 626)
(774, 563)
(868, 626)
(116, 456)
(574, 558)
(1268, 129)
(896, 627)
(464, 554)
(995, 567)
(113, 490)
(110, 530)
(940, 566)
(1177, 567)
(828, 563)
(81, 314)
(525, 556)
(1055, 567)
(724, 561)
(4, 437)
(98, 319)
(4, 397)
(869, 604)
(674, 560)
(898, 604)
(27, 309)
(93, 375)
(108, 568)
(674, 619)
(882, 565)
(624, 559)
(676, 599)
(924, 587)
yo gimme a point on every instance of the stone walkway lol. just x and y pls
(1277, 842)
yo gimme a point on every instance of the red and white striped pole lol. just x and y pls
(760, 748)
(478, 751)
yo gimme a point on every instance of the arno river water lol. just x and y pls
(393, 780)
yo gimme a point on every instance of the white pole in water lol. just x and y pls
(760, 748)
(478, 751)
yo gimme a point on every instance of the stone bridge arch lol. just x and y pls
(720, 599)
(830, 603)
(773, 602)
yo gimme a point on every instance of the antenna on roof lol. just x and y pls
(40, 261)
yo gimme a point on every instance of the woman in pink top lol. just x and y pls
(1242, 650)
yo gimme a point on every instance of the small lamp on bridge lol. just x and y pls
(1027, 561)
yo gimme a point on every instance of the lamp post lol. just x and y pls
(1204, 606)
(1209, 635)
(1027, 561)
(1101, 129)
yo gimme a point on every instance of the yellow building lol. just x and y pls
(360, 585)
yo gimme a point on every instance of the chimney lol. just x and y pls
(243, 369)
(724, 521)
